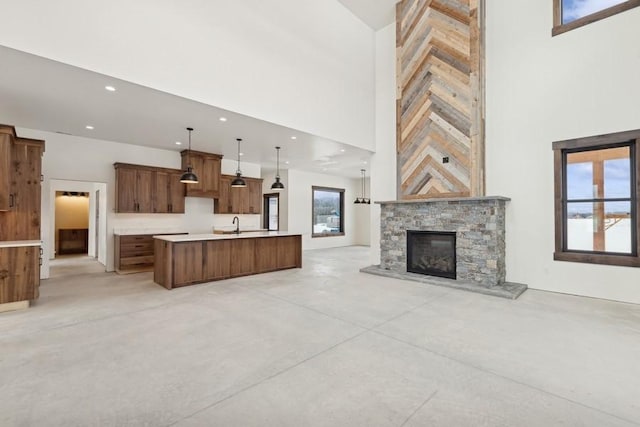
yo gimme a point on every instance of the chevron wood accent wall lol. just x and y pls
(440, 98)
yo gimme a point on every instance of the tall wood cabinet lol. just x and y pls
(5, 172)
(20, 212)
(21, 221)
(207, 167)
(239, 200)
(148, 189)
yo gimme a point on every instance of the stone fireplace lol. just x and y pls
(468, 232)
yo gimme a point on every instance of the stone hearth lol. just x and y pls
(479, 224)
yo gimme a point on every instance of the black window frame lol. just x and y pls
(561, 150)
(340, 191)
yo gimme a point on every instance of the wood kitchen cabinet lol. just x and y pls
(6, 140)
(22, 219)
(134, 253)
(148, 189)
(168, 192)
(183, 261)
(239, 200)
(134, 186)
(189, 270)
(19, 274)
(207, 167)
(20, 212)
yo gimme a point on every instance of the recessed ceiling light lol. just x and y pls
(110, 88)
(178, 143)
(287, 162)
(242, 154)
(294, 137)
(365, 162)
(223, 119)
(342, 150)
(89, 127)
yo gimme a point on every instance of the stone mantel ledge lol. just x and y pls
(446, 200)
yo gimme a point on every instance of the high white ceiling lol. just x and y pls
(39, 93)
(375, 13)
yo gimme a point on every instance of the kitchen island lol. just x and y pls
(184, 260)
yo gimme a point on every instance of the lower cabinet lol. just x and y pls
(189, 269)
(217, 261)
(134, 253)
(185, 263)
(19, 274)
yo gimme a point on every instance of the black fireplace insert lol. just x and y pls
(432, 253)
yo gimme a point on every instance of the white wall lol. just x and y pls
(383, 162)
(304, 64)
(542, 89)
(73, 158)
(300, 208)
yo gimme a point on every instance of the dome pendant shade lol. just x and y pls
(188, 177)
(238, 181)
(357, 201)
(278, 186)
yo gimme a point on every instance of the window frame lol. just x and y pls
(341, 191)
(561, 149)
(560, 28)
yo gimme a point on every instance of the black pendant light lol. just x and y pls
(278, 186)
(362, 200)
(238, 181)
(365, 200)
(188, 177)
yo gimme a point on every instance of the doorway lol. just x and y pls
(271, 218)
(71, 235)
(83, 244)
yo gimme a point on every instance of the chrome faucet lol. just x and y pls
(235, 218)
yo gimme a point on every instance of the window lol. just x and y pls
(571, 14)
(596, 199)
(328, 212)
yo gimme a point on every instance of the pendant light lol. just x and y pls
(362, 200)
(365, 200)
(238, 181)
(188, 177)
(278, 186)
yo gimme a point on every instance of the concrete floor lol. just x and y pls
(320, 346)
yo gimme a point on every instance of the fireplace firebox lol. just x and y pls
(432, 253)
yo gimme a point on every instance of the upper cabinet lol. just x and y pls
(168, 192)
(239, 200)
(6, 139)
(207, 167)
(147, 189)
(20, 186)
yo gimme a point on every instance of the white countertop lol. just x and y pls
(20, 243)
(134, 231)
(200, 237)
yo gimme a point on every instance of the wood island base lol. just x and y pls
(188, 260)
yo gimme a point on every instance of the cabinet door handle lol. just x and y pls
(40, 261)
(41, 250)
(12, 200)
